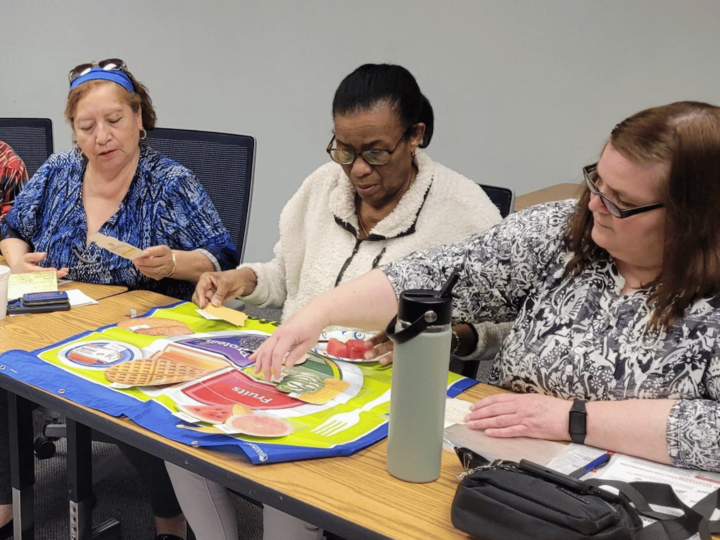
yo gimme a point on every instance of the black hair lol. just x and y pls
(371, 84)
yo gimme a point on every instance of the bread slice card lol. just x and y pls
(223, 313)
(156, 326)
(116, 246)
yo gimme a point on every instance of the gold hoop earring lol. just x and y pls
(143, 134)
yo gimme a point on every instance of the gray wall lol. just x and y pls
(524, 91)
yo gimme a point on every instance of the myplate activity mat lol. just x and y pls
(190, 379)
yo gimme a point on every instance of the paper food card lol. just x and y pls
(316, 381)
(118, 247)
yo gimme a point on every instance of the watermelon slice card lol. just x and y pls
(211, 414)
(257, 425)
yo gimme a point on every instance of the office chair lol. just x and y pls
(30, 138)
(223, 163)
(504, 199)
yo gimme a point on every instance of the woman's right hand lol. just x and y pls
(29, 263)
(289, 343)
(219, 287)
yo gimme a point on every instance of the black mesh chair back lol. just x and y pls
(31, 138)
(502, 197)
(224, 165)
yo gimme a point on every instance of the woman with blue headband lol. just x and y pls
(113, 184)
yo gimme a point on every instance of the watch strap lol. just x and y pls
(577, 422)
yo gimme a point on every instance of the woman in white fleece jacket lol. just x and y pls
(381, 199)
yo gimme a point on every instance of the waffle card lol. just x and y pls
(174, 364)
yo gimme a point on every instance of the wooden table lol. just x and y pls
(33, 331)
(351, 496)
(557, 192)
(94, 291)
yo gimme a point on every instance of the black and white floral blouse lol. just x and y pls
(578, 337)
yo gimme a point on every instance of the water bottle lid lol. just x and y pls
(421, 308)
(416, 303)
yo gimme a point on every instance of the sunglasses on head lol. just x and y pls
(590, 174)
(109, 64)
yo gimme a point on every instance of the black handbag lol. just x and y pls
(506, 500)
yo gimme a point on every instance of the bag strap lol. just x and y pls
(693, 520)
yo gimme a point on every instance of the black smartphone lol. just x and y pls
(18, 308)
(43, 298)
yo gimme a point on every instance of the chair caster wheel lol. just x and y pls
(44, 447)
(45, 427)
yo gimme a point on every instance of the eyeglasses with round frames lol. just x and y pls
(621, 213)
(109, 64)
(372, 157)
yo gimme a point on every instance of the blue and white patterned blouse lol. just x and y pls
(578, 337)
(165, 205)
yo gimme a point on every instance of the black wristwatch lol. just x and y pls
(577, 424)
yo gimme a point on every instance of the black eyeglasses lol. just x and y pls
(108, 65)
(372, 157)
(590, 172)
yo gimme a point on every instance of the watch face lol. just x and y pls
(578, 422)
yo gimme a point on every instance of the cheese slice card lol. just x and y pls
(116, 246)
(226, 314)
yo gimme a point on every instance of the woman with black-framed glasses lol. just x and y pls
(380, 198)
(616, 299)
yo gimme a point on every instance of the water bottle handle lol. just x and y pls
(407, 333)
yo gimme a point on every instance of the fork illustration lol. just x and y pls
(341, 422)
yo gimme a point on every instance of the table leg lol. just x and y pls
(22, 466)
(79, 463)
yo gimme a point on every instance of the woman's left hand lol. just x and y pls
(157, 262)
(521, 415)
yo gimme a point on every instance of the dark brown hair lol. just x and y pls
(685, 136)
(139, 101)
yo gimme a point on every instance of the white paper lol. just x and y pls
(456, 410)
(79, 298)
(690, 485)
(513, 449)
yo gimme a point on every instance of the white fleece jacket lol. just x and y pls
(318, 231)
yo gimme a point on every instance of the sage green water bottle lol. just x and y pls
(422, 335)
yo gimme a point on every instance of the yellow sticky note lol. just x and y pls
(226, 314)
(30, 282)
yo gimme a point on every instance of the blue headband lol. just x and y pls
(114, 75)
